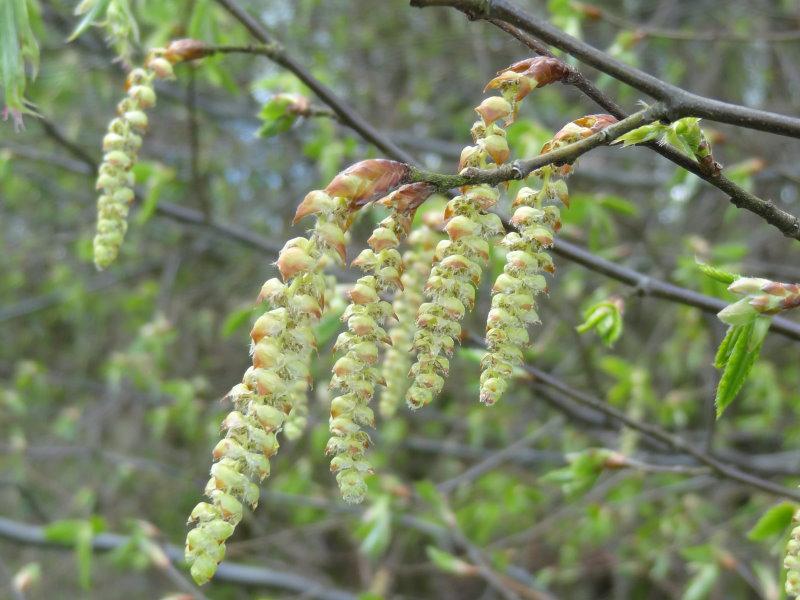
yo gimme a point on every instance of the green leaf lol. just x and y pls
(236, 319)
(428, 492)
(742, 357)
(275, 116)
(377, 528)
(447, 562)
(95, 13)
(716, 273)
(640, 135)
(727, 345)
(329, 326)
(773, 522)
(702, 583)
(78, 533)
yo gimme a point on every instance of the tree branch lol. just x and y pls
(680, 102)
(347, 115)
(31, 535)
(520, 169)
(785, 222)
(645, 285)
(654, 432)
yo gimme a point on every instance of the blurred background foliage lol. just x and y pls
(110, 383)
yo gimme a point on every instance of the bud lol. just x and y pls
(161, 67)
(144, 95)
(185, 50)
(494, 108)
(367, 178)
(497, 147)
(461, 226)
(332, 236)
(363, 293)
(273, 291)
(137, 119)
(748, 285)
(407, 198)
(316, 202)
(738, 313)
(382, 238)
(471, 156)
(294, 260)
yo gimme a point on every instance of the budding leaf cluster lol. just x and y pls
(280, 112)
(605, 318)
(18, 51)
(749, 320)
(684, 134)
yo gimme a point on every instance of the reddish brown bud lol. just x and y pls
(186, 49)
(408, 197)
(314, 203)
(366, 178)
(544, 69)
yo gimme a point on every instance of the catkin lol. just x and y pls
(397, 361)
(355, 374)
(282, 343)
(121, 146)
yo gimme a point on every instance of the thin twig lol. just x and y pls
(347, 115)
(235, 573)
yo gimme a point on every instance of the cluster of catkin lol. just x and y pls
(282, 343)
(459, 260)
(355, 374)
(120, 146)
(417, 262)
(271, 397)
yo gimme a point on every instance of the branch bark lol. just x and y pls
(787, 223)
(654, 432)
(32, 535)
(347, 115)
(681, 103)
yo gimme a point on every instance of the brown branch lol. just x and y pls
(347, 115)
(594, 11)
(720, 468)
(680, 102)
(520, 169)
(32, 535)
(785, 222)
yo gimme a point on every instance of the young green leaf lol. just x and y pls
(720, 275)
(92, 12)
(743, 356)
(773, 522)
(377, 528)
(447, 562)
